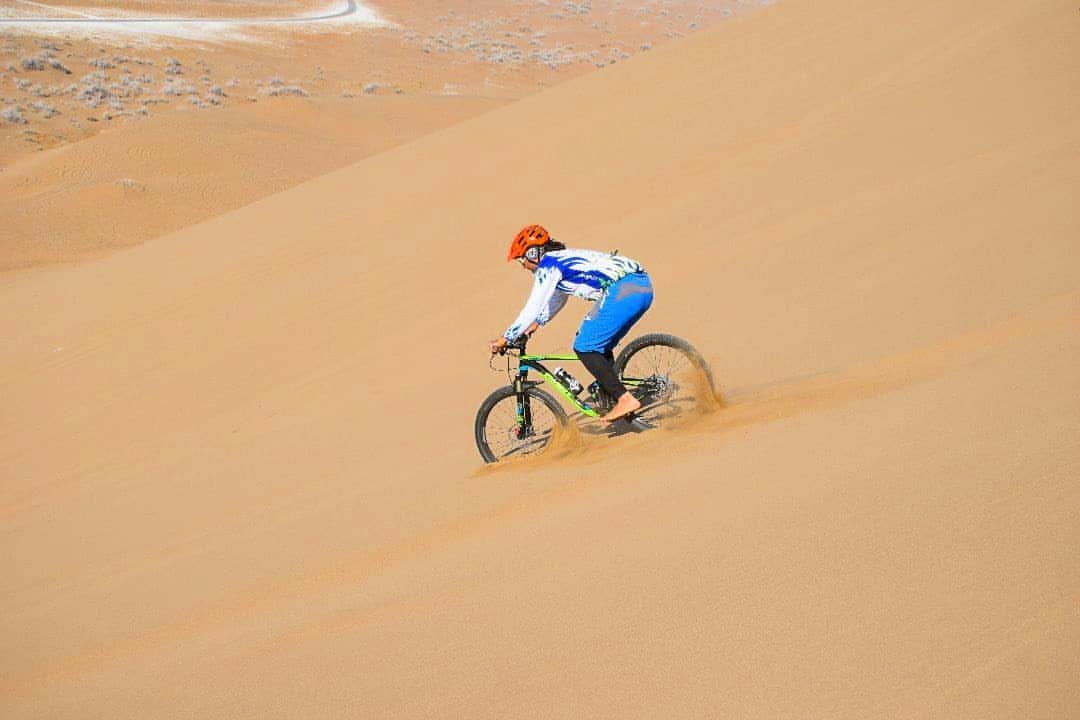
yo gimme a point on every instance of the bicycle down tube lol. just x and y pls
(534, 362)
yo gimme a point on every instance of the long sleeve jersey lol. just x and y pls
(562, 273)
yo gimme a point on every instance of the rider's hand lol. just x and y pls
(497, 346)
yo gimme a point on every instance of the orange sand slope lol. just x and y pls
(237, 462)
(131, 184)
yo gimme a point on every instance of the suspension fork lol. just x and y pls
(524, 411)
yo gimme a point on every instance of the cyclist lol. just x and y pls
(618, 286)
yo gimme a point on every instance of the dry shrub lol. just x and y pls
(277, 88)
(35, 62)
(13, 114)
(45, 110)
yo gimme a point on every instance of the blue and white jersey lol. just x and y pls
(562, 273)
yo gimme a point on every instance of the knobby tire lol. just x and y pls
(683, 397)
(527, 446)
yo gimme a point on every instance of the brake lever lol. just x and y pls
(504, 352)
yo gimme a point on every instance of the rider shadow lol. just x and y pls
(593, 427)
(630, 425)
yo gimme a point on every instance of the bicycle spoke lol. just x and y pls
(507, 438)
(668, 382)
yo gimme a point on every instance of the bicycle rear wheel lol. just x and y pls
(668, 375)
(501, 434)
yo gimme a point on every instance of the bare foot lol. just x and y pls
(626, 405)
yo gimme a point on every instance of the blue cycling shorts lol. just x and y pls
(622, 305)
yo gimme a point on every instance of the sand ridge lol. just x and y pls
(258, 496)
(153, 85)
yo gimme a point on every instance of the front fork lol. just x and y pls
(524, 412)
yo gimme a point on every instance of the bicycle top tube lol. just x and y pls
(541, 358)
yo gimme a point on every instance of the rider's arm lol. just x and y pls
(537, 307)
(554, 305)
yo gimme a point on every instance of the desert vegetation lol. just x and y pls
(66, 86)
(13, 114)
(40, 92)
(278, 87)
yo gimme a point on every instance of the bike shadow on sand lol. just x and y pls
(669, 414)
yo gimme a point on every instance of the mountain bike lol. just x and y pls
(665, 373)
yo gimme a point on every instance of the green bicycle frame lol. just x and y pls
(535, 362)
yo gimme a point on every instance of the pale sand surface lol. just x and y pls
(238, 472)
(222, 9)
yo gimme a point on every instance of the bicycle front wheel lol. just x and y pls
(503, 432)
(668, 375)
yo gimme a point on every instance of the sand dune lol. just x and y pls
(131, 184)
(238, 478)
(196, 119)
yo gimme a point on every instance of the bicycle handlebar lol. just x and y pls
(518, 345)
(516, 348)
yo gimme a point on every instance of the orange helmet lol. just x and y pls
(529, 236)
